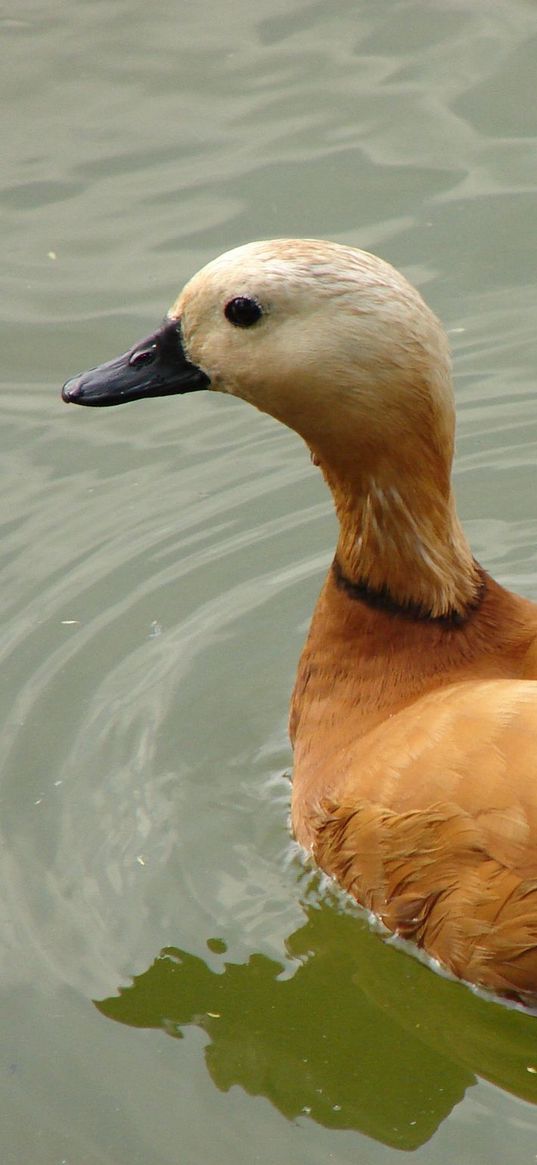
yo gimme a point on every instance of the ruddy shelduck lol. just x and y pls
(414, 714)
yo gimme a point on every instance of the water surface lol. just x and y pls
(159, 564)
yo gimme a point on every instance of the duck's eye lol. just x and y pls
(243, 311)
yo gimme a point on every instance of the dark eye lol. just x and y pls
(243, 311)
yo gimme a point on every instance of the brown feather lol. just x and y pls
(426, 810)
(414, 715)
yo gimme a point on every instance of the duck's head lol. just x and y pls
(340, 347)
(328, 339)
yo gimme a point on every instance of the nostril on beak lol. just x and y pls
(143, 356)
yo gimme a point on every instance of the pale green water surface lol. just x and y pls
(159, 564)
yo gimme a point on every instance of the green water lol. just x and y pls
(175, 986)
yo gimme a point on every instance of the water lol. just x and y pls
(159, 564)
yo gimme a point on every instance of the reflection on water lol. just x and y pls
(352, 1034)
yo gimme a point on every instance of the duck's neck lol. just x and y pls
(401, 543)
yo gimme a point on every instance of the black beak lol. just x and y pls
(154, 367)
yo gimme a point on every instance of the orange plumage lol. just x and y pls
(427, 810)
(414, 715)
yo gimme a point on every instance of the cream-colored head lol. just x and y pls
(345, 352)
(336, 344)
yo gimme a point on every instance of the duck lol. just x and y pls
(413, 719)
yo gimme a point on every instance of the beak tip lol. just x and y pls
(71, 390)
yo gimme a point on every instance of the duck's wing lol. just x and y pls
(439, 838)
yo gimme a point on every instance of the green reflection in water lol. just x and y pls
(351, 1033)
